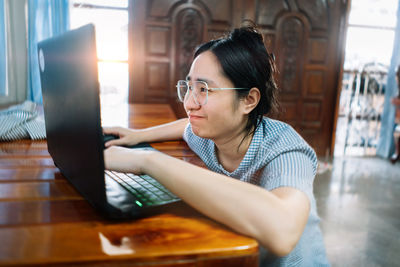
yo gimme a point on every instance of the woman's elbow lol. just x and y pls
(282, 250)
(280, 246)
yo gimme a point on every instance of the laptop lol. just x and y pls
(71, 102)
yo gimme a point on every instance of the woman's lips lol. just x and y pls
(195, 117)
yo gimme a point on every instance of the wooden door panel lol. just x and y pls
(303, 36)
(158, 40)
(314, 84)
(317, 50)
(157, 76)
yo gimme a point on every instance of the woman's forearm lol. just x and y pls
(165, 132)
(244, 207)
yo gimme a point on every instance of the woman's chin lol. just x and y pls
(199, 132)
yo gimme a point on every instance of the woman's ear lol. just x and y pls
(250, 102)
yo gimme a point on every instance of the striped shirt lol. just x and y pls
(277, 157)
(22, 122)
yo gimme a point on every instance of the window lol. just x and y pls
(370, 33)
(368, 52)
(111, 21)
(3, 51)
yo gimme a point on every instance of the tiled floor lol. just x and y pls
(359, 205)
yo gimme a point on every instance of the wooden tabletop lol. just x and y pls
(44, 221)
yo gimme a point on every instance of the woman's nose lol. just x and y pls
(190, 102)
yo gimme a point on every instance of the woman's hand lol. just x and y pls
(164, 132)
(126, 136)
(123, 159)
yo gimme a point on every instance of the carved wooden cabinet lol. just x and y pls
(306, 37)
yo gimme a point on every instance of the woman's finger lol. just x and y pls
(112, 130)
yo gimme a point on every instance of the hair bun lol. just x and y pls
(247, 31)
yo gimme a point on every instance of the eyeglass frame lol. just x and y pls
(190, 88)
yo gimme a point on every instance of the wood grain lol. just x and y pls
(44, 221)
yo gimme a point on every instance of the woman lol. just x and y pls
(230, 86)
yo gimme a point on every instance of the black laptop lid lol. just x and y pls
(70, 88)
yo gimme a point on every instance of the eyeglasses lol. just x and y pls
(199, 90)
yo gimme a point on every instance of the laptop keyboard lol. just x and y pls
(146, 189)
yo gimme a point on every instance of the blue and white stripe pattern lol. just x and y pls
(277, 157)
(21, 122)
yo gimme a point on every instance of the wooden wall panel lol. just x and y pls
(156, 79)
(158, 40)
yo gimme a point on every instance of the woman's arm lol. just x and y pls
(164, 132)
(276, 218)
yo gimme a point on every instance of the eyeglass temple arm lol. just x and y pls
(228, 88)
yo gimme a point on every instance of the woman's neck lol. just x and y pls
(231, 151)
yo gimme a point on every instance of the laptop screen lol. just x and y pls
(70, 88)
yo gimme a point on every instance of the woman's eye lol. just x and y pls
(203, 89)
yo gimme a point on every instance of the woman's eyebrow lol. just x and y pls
(188, 78)
(204, 80)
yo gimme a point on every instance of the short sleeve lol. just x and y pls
(185, 133)
(290, 169)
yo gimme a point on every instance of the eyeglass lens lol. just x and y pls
(198, 88)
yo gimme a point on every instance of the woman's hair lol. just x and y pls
(247, 63)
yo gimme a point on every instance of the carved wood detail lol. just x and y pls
(290, 57)
(316, 11)
(268, 10)
(190, 31)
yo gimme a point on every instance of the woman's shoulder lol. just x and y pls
(280, 137)
(278, 130)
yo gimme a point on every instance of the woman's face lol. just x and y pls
(221, 117)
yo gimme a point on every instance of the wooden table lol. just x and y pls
(44, 221)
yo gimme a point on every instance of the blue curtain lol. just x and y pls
(3, 50)
(386, 142)
(46, 18)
